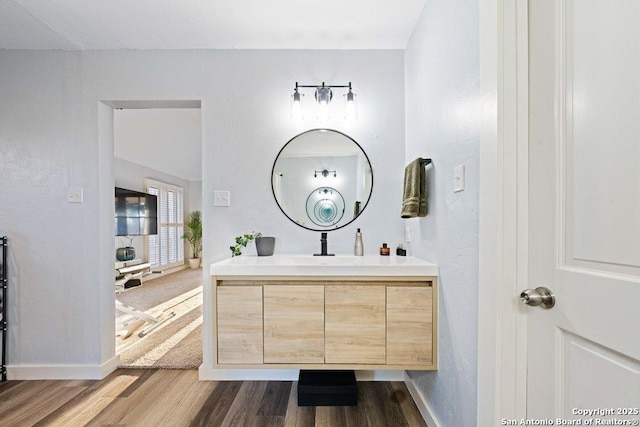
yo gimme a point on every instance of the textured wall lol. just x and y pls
(442, 73)
(55, 133)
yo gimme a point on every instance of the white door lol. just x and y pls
(584, 210)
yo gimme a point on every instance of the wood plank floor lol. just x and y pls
(130, 397)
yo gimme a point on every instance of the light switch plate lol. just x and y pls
(458, 178)
(221, 198)
(75, 195)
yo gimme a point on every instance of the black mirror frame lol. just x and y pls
(365, 156)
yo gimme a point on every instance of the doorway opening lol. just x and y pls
(157, 149)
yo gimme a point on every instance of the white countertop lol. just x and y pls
(309, 265)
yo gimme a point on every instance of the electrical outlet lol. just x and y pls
(75, 195)
(407, 233)
(221, 198)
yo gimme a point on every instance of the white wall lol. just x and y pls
(55, 133)
(195, 197)
(164, 139)
(131, 176)
(442, 74)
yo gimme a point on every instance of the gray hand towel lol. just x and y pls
(414, 200)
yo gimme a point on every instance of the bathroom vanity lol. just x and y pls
(341, 312)
(336, 313)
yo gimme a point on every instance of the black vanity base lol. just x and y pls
(327, 388)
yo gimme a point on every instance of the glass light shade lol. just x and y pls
(296, 105)
(351, 106)
(323, 111)
(323, 96)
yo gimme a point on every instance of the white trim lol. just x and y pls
(62, 372)
(421, 402)
(503, 210)
(209, 374)
(515, 392)
(109, 366)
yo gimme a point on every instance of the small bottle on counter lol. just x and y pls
(358, 248)
(401, 251)
(384, 250)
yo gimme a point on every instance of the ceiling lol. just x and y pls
(207, 24)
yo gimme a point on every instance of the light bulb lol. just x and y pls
(351, 108)
(296, 105)
(323, 111)
(323, 96)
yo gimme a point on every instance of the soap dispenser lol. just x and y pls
(358, 249)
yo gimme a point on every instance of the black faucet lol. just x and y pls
(323, 246)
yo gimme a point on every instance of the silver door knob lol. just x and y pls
(542, 297)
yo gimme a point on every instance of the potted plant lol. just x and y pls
(193, 235)
(243, 241)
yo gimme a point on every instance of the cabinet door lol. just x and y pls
(409, 325)
(355, 324)
(293, 324)
(239, 324)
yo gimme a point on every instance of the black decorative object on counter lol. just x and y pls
(327, 388)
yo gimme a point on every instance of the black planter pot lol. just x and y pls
(265, 245)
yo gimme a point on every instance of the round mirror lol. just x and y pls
(322, 179)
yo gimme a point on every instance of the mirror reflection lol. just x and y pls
(322, 179)
(325, 206)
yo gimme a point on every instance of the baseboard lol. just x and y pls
(421, 402)
(109, 366)
(62, 372)
(209, 374)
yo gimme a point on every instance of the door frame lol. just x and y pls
(503, 256)
(109, 359)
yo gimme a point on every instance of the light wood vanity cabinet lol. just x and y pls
(327, 324)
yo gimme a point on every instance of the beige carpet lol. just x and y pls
(177, 343)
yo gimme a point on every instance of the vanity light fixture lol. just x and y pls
(323, 96)
(324, 173)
